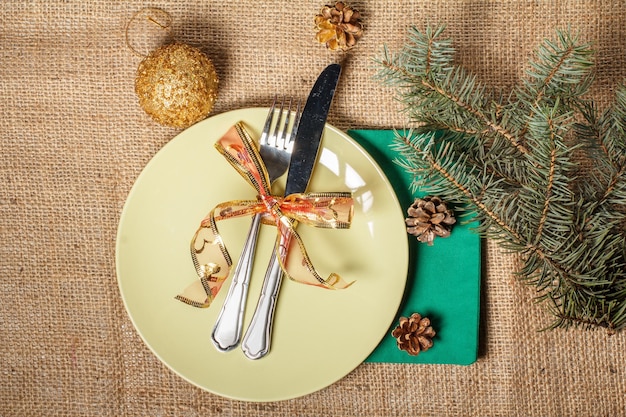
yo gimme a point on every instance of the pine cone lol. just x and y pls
(428, 218)
(414, 335)
(339, 26)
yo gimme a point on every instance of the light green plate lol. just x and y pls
(319, 335)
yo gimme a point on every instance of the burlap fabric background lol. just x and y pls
(73, 140)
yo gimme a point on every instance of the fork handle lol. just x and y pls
(257, 340)
(227, 331)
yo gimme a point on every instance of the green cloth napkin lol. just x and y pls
(443, 280)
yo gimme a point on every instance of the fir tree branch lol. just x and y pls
(465, 191)
(512, 162)
(505, 231)
(560, 67)
(549, 186)
(458, 101)
(428, 61)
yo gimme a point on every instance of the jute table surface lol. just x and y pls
(73, 139)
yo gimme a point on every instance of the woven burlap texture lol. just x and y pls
(73, 140)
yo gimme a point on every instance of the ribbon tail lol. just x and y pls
(211, 261)
(296, 263)
(210, 257)
(199, 294)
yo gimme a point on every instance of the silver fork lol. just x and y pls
(275, 149)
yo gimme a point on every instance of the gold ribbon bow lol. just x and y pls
(208, 251)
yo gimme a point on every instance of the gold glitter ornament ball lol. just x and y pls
(176, 85)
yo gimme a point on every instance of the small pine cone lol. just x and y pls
(428, 218)
(414, 334)
(338, 26)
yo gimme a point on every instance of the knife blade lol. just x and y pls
(257, 340)
(309, 135)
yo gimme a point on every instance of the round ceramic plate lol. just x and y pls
(319, 335)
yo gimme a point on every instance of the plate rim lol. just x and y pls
(405, 259)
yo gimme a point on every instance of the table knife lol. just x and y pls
(257, 340)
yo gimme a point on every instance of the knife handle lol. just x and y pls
(257, 340)
(227, 331)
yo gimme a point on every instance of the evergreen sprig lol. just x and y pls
(517, 163)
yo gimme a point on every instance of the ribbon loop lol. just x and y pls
(208, 251)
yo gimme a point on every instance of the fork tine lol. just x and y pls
(268, 123)
(281, 136)
(274, 137)
(284, 134)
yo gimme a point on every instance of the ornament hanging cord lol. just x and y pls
(158, 17)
